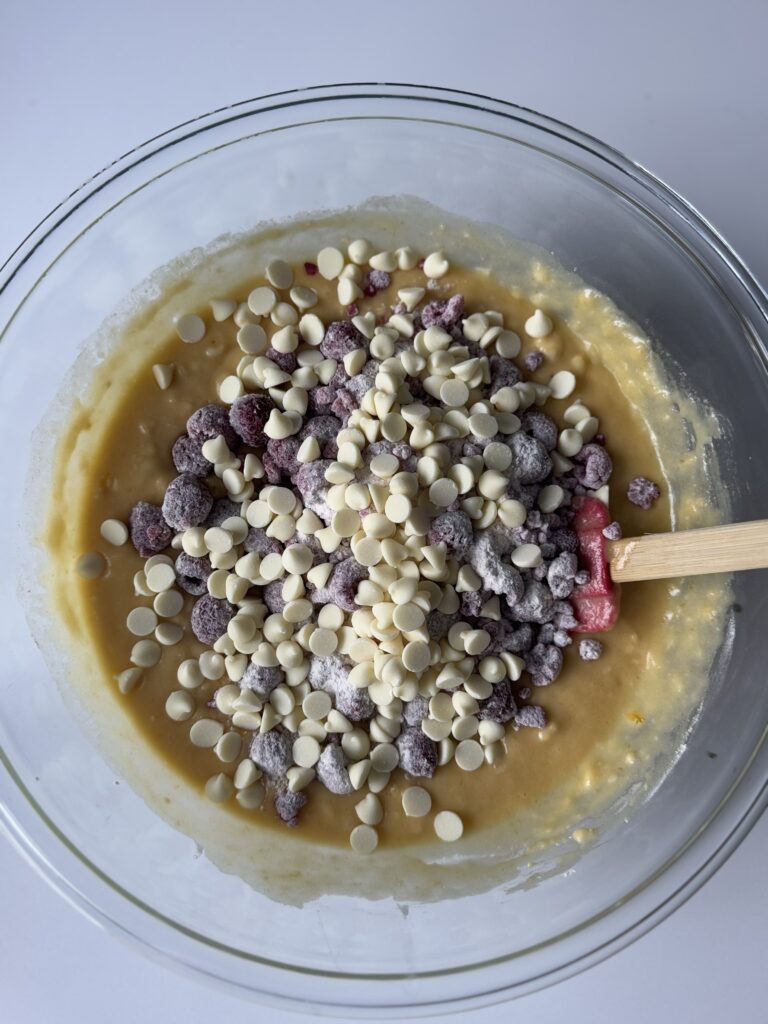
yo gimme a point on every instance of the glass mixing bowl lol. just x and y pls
(623, 232)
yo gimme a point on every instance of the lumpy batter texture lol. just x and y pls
(601, 712)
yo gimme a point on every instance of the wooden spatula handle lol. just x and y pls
(659, 556)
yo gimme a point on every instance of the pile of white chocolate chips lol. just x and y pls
(375, 523)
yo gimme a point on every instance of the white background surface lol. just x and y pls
(679, 86)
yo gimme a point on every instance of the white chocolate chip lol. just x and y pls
(539, 325)
(114, 532)
(279, 274)
(163, 374)
(180, 706)
(436, 265)
(330, 262)
(448, 826)
(262, 301)
(190, 328)
(562, 384)
(363, 839)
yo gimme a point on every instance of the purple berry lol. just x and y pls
(188, 456)
(288, 805)
(533, 361)
(593, 466)
(376, 281)
(530, 462)
(343, 582)
(285, 360)
(192, 573)
(187, 502)
(332, 676)
(332, 772)
(454, 529)
(612, 531)
(590, 650)
(643, 492)
(313, 487)
(540, 426)
(248, 417)
(544, 662)
(262, 679)
(210, 421)
(341, 338)
(221, 510)
(500, 706)
(273, 752)
(210, 618)
(418, 753)
(256, 540)
(443, 314)
(150, 534)
(536, 604)
(283, 454)
(532, 716)
(325, 430)
(503, 374)
(561, 574)
(416, 710)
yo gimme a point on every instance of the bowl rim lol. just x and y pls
(677, 206)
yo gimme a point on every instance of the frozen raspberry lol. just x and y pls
(285, 360)
(470, 604)
(262, 679)
(341, 338)
(418, 753)
(593, 466)
(532, 716)
(563, 616)
(248, 417)
(322, 397)
(343, 582)
(256, 540)
(454, 529)
(272, 596)
(503, 374)
(540, 426)
(565, 540)
(643, 492)
(325, 430)
(332, 772)
(500, 706)
(283, 454)
(506, 636)
(544, 662)
(310, 269)
(376, 281)
(272, 472)
(313, 487)
(485, 555)
(536, 604)
(210, 618)
(443, 314)
(530, 462)
(344, 404)
(210, 421)
(188, 456)
(590, 650)
(363, 382)
(533, 361)
(221, 510)
(332, 676)
(288, 805)
(187, 502)
(273, 752)
(561, 574)
(612, 531)
(416, 710)
(192, 573)
(150, 534)
(438, 624)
